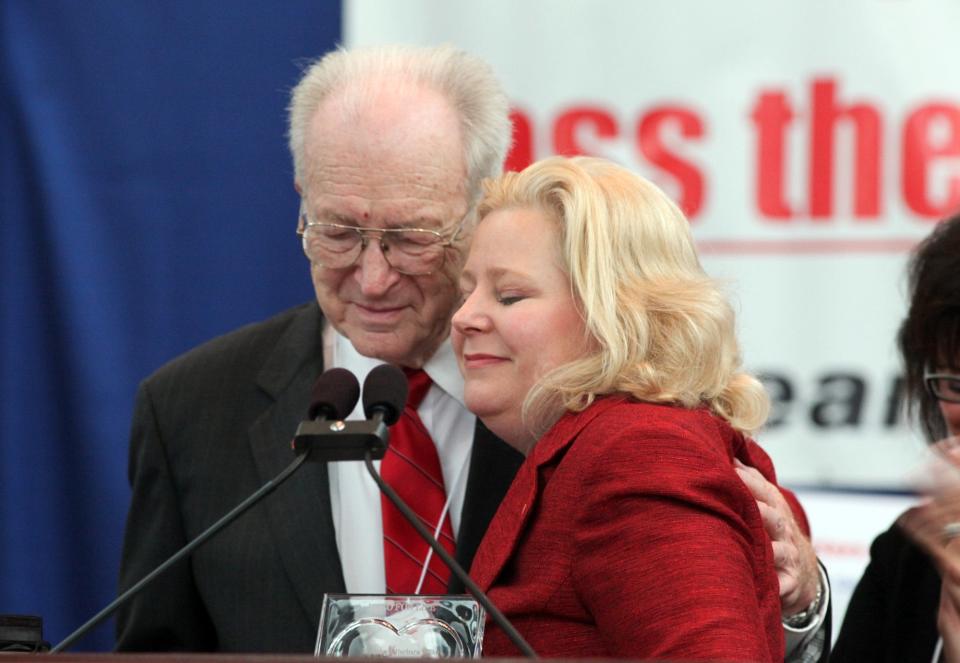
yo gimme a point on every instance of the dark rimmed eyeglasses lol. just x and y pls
(411, 251)
(943, 386)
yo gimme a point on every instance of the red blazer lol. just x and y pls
(627, 533)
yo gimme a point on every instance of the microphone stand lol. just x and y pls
(232, 515)
(451, 563)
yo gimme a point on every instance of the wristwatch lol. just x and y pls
(804, 618)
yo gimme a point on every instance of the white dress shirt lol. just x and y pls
(354, 496)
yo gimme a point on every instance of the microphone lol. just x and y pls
(334, 395)
(339, 440)
(384, 396)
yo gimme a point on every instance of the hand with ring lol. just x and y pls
(934, 525)
(950, 531)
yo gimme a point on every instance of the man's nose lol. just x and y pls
(374, 272)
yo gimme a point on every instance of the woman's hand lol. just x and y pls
(948, 620)
(935, 526)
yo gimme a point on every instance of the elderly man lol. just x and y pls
(389, 146)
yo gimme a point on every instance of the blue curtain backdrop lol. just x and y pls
(147, 205)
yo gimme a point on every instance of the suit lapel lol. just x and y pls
(299, 512)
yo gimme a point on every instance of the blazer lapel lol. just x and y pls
(493, 465)
(299, 512)
(505, 528)
(512, 517)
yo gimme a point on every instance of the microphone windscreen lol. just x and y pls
(385, 390)
(334, 395)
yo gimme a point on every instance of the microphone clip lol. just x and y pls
(336, 440)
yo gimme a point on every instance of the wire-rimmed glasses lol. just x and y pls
(411, 251)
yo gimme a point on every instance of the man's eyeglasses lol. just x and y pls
(411, 251)
(943, 386)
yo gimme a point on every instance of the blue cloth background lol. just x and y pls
(147, 205)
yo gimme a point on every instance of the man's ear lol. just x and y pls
(296, 185)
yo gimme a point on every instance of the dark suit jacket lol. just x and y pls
(211, 427)
(892, 615)
(627, 533)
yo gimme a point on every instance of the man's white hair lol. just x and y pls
(466, 81)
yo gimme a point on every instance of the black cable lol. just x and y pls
(451, 563)
(238, 510)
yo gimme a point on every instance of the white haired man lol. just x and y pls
(389, 147)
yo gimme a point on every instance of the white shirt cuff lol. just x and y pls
(796, 638)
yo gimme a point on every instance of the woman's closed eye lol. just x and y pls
(508, 298)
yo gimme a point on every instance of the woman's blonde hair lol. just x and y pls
(662, 330)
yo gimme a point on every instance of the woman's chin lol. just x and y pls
(500, 416)
(482, 401)
(511, 430)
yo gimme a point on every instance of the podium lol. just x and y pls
(108, 657)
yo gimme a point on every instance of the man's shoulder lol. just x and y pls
(246, 350)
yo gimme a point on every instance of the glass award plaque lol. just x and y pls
(400, 626)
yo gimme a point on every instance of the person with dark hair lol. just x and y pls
(906, 606)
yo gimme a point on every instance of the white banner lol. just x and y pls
(812, 144)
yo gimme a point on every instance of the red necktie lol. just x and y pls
(412, 468)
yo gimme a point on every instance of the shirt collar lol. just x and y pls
(441, 367)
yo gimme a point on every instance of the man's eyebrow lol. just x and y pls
(347, 220)
(333, 217)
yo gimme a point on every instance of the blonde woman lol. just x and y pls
(591, 340)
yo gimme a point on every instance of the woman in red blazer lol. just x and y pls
(592, 341)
